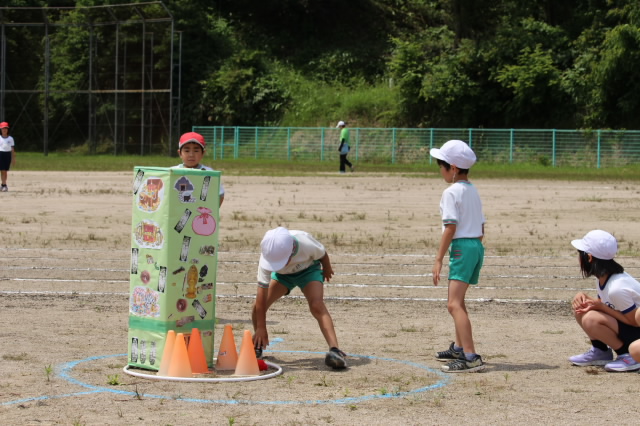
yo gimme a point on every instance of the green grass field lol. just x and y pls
(70, 162)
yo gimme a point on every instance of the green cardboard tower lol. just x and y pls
(174, 260)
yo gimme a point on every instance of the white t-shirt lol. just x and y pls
(201, 167)
(307, 251)
(460, 205)
(6, 144)
(621, 292)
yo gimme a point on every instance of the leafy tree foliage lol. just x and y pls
(441, 63)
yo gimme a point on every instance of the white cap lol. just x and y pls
(599, 244)
(341, 123)
(455, 152)
(277, 247)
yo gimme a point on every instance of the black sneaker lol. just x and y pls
(335, 359)
(464, 365)
(450, 354)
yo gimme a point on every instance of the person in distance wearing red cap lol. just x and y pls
(191, 151)
(7, 154)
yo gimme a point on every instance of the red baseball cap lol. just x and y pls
(4, 124)
(192, 137)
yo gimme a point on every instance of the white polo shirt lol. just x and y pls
(308, 250)
(460, 205)
(6, 144)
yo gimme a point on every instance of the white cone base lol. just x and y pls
(208, 379)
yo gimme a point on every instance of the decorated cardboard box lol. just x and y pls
(174, 260)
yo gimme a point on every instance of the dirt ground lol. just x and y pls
(64, 305)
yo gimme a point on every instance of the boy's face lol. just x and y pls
(5, 131)
(447, 175)
(191, 154)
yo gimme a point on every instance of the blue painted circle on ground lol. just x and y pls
(66, 370)
(443, 380)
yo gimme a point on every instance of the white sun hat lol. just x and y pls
(598, 243)
(276, 246)
(455, 152)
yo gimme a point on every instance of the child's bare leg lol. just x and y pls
(634, 350)
(275, 292)
(458, 310)
(314, 292)
(600, 326)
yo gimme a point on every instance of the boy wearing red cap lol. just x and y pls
(7, 154)
(462, 233)
(191, 151)
(291, 259)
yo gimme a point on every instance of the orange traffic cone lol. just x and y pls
(247, 361)
(165, 361)
(228, 354)
(180, 365)
(197, 359)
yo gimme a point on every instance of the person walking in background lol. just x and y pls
(344, 147)
(462, 233)
(7, 154)
(610, 319)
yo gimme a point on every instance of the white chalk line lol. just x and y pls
(329, 285)
(338, 298)
(253, 253)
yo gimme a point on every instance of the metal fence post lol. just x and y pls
(553, 162)
(598, 150)
(511, 135)
(322, 144)
(288, 143)
(470, 138)
(393, 146)
(357, 141)
(430, 144)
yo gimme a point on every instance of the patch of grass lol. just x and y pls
(48, 370)
(114, 380)
(36, 161)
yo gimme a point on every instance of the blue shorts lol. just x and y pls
(5, 160)
(466, 256)
(300, 279)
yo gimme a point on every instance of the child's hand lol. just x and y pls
(261, 338)
(437, 267)
(327, 273)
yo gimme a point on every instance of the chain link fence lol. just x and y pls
(578, 148)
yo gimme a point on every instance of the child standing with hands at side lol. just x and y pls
(463, 230)
(191, 151)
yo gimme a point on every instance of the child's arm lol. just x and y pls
(445, 242)
(261, 336)
(327, 270)
(597, 305)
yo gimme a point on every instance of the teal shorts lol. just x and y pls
(300, 279)
(466, 256)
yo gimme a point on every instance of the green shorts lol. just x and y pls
(300, 279)
(465, 260)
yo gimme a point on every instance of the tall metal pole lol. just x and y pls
(115, 84)
(47, 60)
(92, 142)
(142, 93)
(3, 65)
